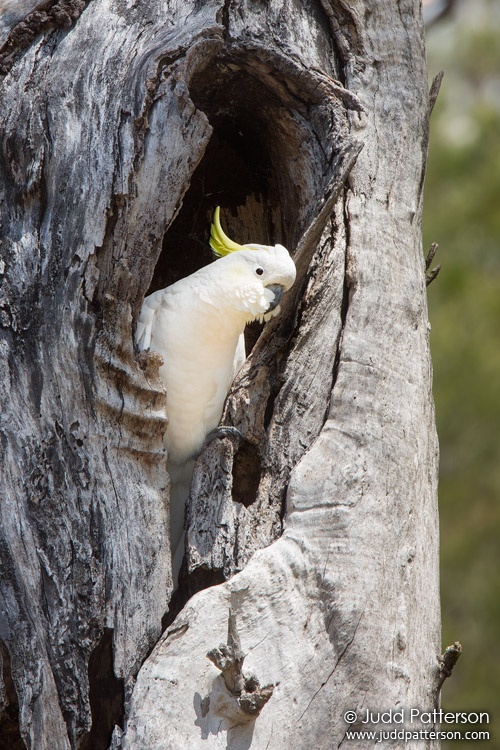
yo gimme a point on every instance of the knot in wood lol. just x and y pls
(247, 697)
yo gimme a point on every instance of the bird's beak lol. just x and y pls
(277, 290)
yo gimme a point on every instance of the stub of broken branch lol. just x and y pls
(447, 662)
(150, 362)
(229, 659)
(434, 90)
(431, 275)
(246, 697)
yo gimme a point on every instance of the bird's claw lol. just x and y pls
(222, 432)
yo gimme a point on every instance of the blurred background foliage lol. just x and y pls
(462, 214)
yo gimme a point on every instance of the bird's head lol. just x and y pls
(256, 275)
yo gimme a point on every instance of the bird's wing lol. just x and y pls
(146, 320)
(240, 356)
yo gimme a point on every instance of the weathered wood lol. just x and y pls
(342, 610)
(84, 209)
(307, 122)
(242, 491)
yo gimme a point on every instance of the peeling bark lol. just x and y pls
(123, 125)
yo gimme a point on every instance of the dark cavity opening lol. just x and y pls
(10, 734)
(240, 171)
(253, 168)
(246, 474)
(106, 695)
(189, 585)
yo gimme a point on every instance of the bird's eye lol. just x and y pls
(259, 271)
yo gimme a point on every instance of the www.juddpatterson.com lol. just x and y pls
(418, 725)
(381, 735)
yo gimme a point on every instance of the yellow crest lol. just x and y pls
(219, 241)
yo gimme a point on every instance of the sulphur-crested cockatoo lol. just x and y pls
(197, 326)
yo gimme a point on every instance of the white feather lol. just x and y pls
(197, 326)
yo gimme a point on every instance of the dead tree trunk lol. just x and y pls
(123, 125)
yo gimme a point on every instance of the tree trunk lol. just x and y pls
(123, 125)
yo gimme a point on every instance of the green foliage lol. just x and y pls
(462, 214)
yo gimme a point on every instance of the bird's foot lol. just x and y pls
(222, 432)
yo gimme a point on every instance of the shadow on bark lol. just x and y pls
(106, 696)
(10, 735)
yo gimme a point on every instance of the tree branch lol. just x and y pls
(447, 662)
(246, 692)
(429, 277)
(434, 90)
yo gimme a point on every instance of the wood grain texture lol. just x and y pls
(342, 610)
(307, 122)
(84, 525)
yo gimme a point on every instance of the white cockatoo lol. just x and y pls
(197, 326)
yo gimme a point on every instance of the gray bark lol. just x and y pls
(123, 125)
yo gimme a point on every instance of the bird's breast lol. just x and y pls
(198, 353)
